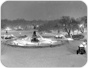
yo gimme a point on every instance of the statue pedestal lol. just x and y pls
(34, 40)
(34, 37)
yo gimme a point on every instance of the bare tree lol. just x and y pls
(68, 24)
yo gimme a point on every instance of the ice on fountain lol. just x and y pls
(24, 42)
(27, 41)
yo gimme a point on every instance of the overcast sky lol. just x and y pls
(42, 10)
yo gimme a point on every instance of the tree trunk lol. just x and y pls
(82, 30)
(69, 33)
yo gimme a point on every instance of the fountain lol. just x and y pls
(35, 40)
(34, 37)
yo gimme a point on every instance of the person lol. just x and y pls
(6, 32)
(34, 27)
(82, 48)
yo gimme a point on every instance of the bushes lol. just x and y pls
(77, 37)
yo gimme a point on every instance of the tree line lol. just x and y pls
(65, 23)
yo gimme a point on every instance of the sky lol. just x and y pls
(42, 10)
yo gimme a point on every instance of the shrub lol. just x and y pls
(78, 37)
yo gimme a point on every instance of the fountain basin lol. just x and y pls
(27, 42)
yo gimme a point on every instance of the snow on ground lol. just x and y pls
(61, 56)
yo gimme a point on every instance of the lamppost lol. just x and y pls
(7, 29)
